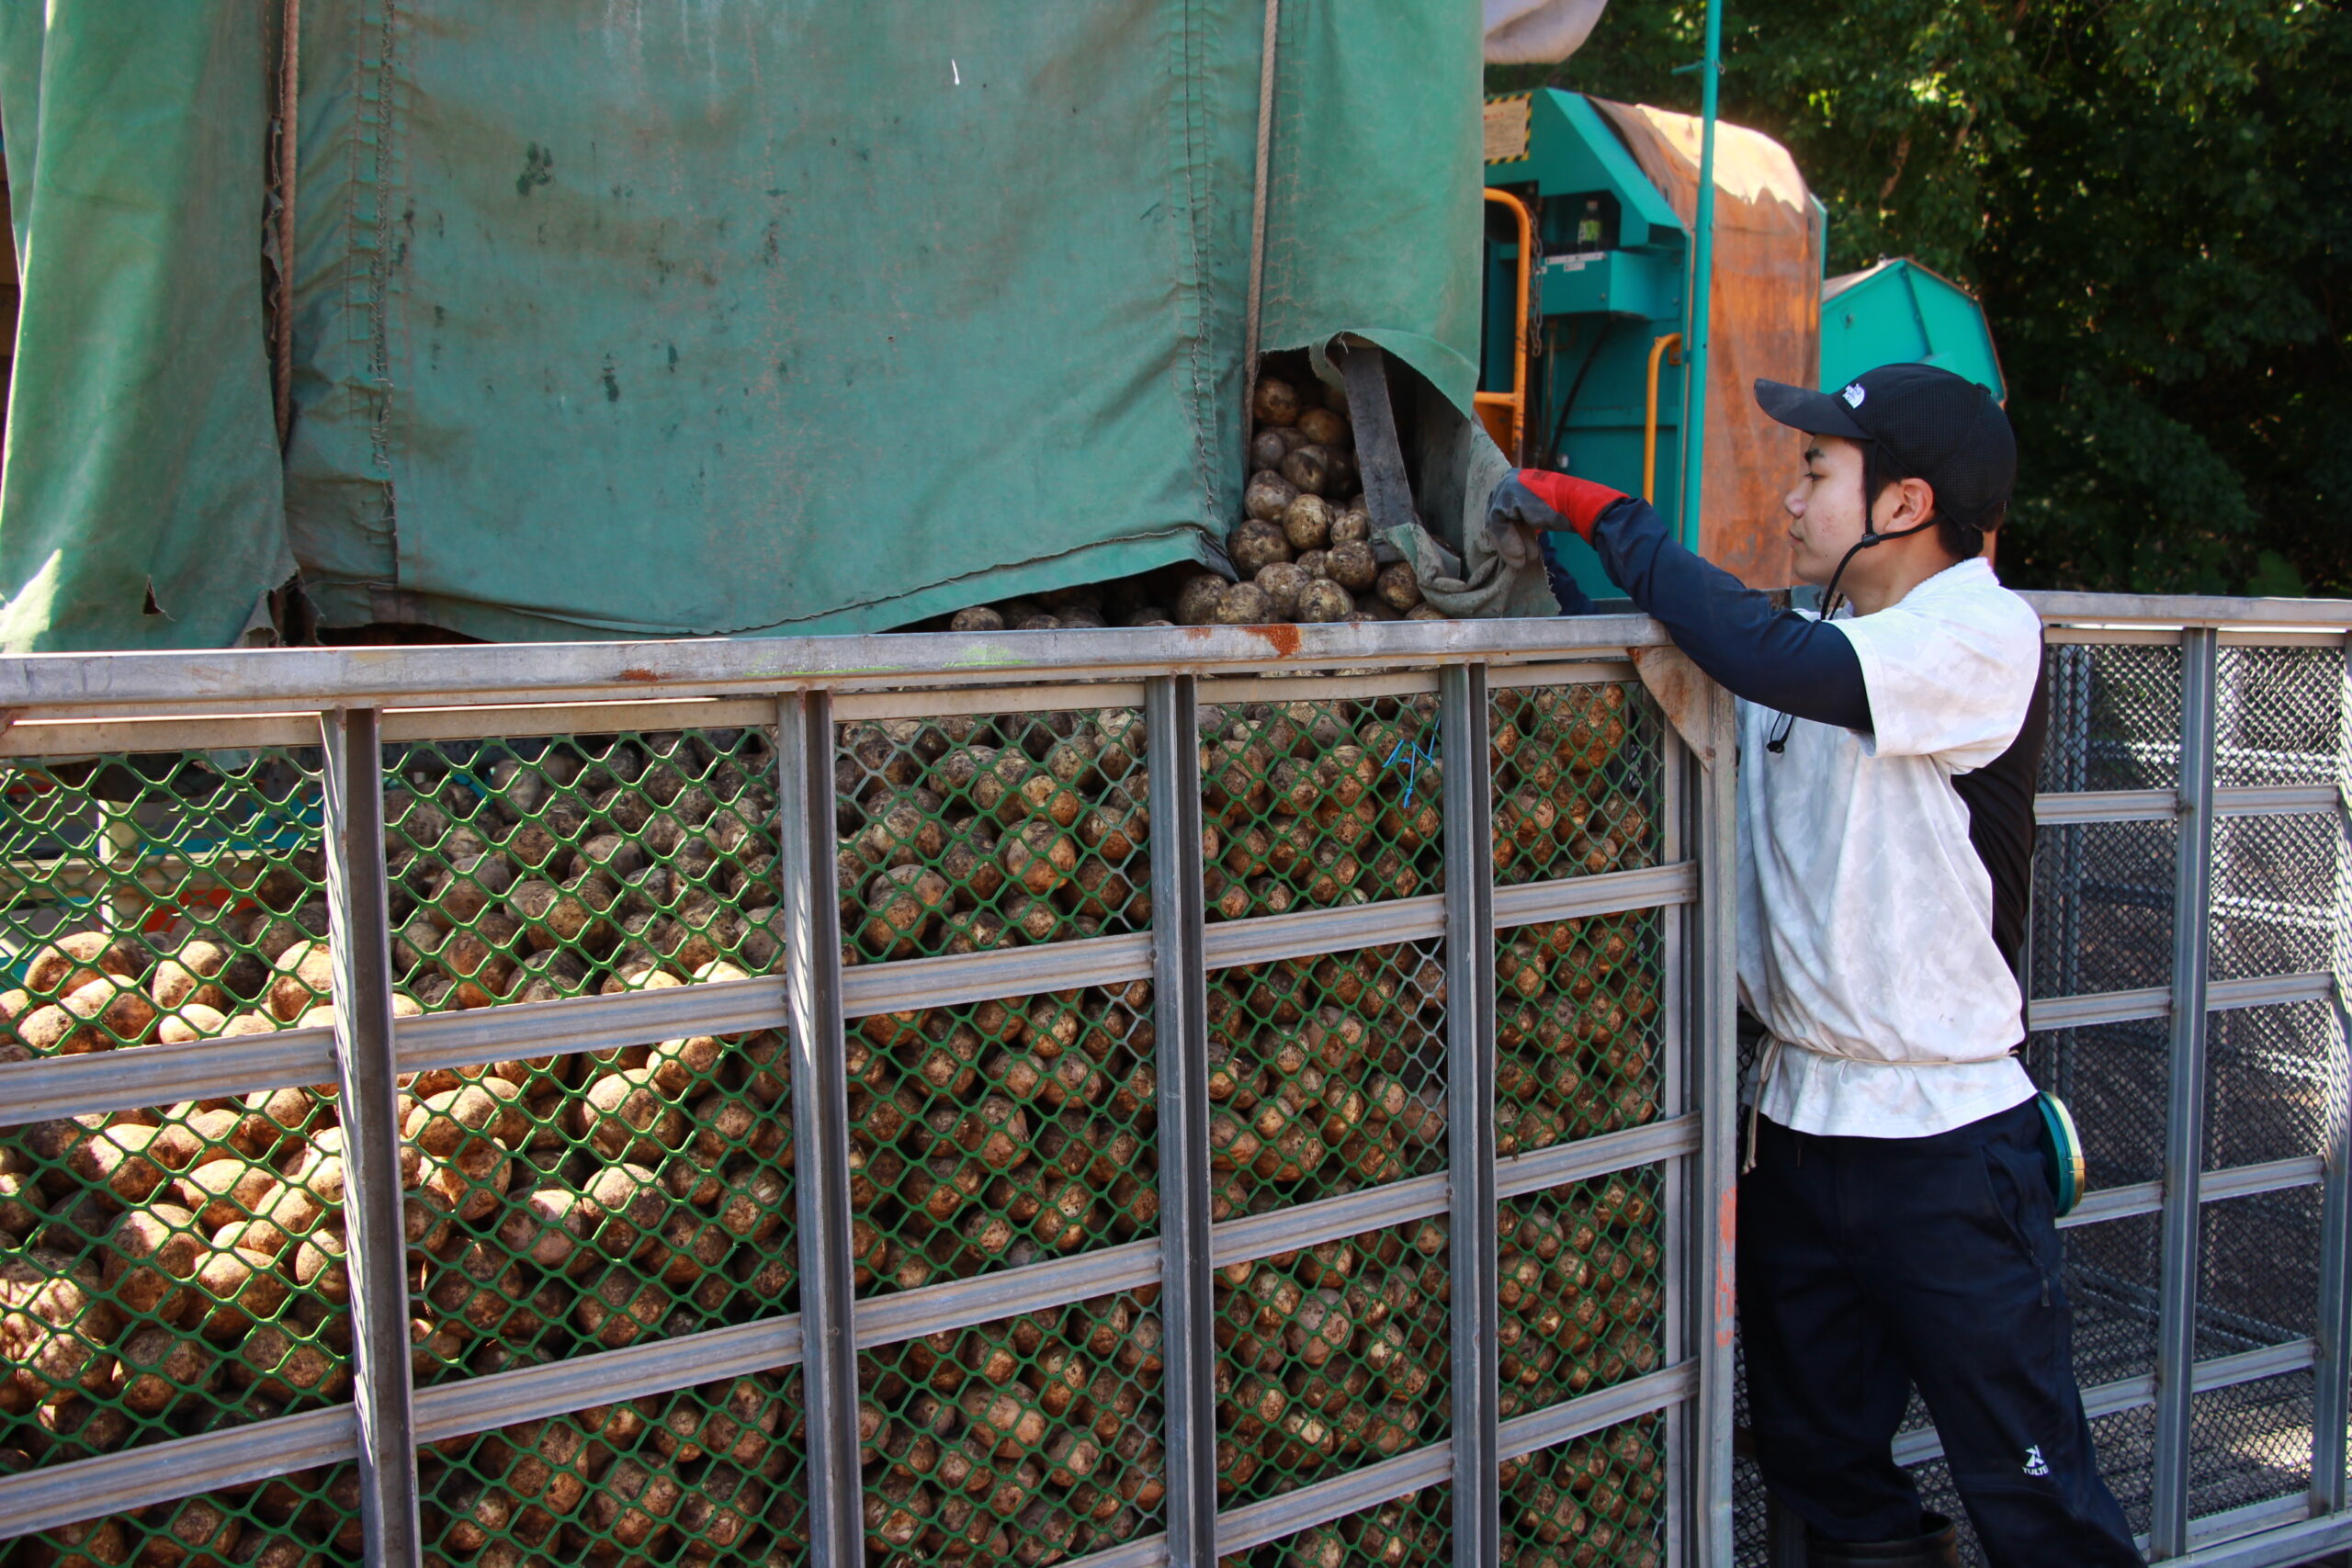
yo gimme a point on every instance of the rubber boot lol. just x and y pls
(1935, 1546)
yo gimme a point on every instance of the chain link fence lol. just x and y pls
(1092, 1098)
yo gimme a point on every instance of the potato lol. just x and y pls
(60, 967)
(1353, 566)
(1269, 495)
(224, 1190)
(1245, 604)
(1309, 469)
(305, 976)
(1306, 523)
(188, 977)
(621, 1307)
(1281, 582)
(111, 1012)
(1347, 477)
(116, 1160)
(1040, 856)
(1351, 526)
(321, 1266)
(1254, 544)
(1275, 401)
(474, 884)
(625, 1114)
(1267, 448)
(191, 1020)
(1311, 563)
(244, 1287)
(901, 905)
(977, 618)
(629, 1208)
(1426, 613)
(155, 1368)
(1396, 586)
(1325, 428)
(150, 1256)
(1325, 601)
(1196, 602)
(286, 1366)
(55, 1326)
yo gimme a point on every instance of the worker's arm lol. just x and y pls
(1786, 661)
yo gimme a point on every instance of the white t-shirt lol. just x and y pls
(1865, 915)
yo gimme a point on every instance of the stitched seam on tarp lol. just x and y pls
(1191, 101)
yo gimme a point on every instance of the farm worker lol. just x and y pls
(1897, 1228)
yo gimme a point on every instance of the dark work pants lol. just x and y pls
(1869, 1266)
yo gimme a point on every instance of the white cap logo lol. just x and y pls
(1853, 395)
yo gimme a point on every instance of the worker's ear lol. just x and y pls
(1905, 503)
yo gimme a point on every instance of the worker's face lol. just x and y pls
(1825, 508)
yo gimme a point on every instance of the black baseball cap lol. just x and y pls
(1935, 425)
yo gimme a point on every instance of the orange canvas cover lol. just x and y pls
(1766, 321)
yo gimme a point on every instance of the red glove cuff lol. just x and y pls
(1581, 501)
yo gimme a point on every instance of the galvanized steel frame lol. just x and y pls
(2291, 1530)
(56, 705)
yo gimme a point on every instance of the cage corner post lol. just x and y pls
(1712, 1072)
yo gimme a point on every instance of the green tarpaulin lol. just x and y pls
(663, 317)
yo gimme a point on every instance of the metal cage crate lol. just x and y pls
(1099, 1097)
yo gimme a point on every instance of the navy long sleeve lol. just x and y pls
(1784, 660)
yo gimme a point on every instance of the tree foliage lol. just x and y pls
(2150, 197)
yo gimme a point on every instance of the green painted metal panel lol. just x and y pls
(1603, 307)
(1898, 312)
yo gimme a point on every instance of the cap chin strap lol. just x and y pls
(1779, 741)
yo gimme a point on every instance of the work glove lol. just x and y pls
(1527, 501)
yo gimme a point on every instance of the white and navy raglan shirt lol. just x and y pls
(1885, 846)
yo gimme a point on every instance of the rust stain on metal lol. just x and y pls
(634, 673)
(1283, 639)
(1682, 690)
(1726, 1240)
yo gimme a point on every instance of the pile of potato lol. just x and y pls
(1024, 1440)
(1000, 1133)
(1302, 553)
(1598, 1500)
(1576, 1042)
(307, 1519)
(1414, 1528)
(168, 1263)
(1326, 1074)
(1331, 1357)
(708, 1473)
(600, 864)
(1580, 1285)
(968, 832)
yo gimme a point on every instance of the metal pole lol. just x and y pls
(1179, 1017)
(1470, 1111)
(2332, 1385)
(1703, 264)
(1714, 1068)
(811, 960)
(2185, 1127)
(359, 909)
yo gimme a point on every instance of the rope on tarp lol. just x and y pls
(289, 71)
(1258, 212)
